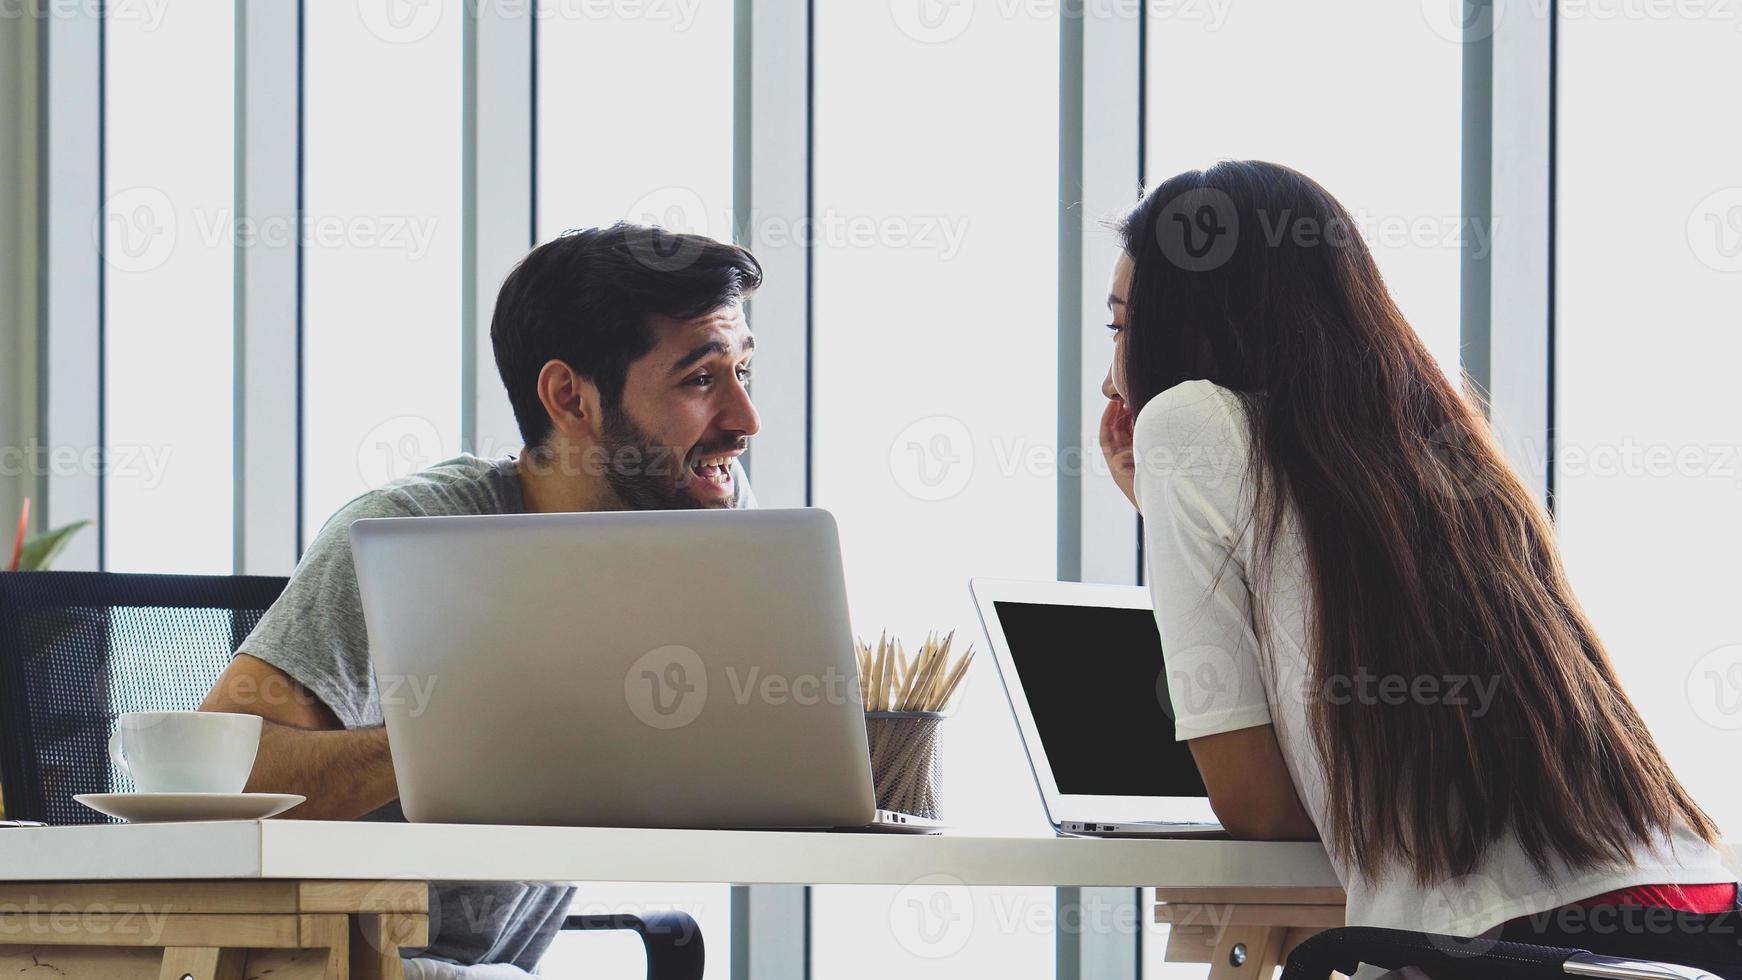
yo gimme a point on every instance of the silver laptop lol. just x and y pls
(1082, 667)
(647, 669)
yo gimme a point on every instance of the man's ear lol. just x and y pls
(571, 401)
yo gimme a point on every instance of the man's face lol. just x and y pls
(684, 416)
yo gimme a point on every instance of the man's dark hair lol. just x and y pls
(585, 298)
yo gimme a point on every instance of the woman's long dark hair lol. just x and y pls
(1428, 556)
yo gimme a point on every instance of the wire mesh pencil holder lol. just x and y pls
(905, 763)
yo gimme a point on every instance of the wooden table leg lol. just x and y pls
(1243, 933)
(1248, 952)
(201, 963)
(376, 940)
(220, 930)
(81, 962)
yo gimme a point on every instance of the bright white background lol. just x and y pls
(167, 238)
(1362, 97)
(381, 263)
(635, 117)
(1649, 485)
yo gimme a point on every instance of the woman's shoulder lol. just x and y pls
(1191, 414)
(1192, 434)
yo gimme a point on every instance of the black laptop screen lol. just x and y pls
(1096, 688)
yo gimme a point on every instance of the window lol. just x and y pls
(1649, 251)
(1363, 98)
(381, 247)
(935, 331)
(635, 115)
(166, 231)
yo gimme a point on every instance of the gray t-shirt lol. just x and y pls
(315, 633)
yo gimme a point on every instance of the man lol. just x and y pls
(626, 357)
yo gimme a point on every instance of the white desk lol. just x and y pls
(325, 880)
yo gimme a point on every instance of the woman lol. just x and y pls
(1369, 635)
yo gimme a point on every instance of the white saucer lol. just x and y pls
(173, 807)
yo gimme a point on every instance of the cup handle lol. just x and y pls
(115, 755)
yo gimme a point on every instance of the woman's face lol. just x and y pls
(1114, 387)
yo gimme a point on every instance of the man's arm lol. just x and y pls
(345, 773)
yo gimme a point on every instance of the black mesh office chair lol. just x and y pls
(1450, 958)
(78, 648)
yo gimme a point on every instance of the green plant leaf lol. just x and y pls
(41, 549)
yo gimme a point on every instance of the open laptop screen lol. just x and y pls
(1096, 688)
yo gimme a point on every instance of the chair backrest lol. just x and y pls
(78, 648)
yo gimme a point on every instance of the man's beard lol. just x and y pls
(647, 476)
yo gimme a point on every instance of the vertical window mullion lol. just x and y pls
(268, 301)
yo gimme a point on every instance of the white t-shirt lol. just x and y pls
(1191, 452)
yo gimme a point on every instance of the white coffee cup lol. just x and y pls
(186, 751)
